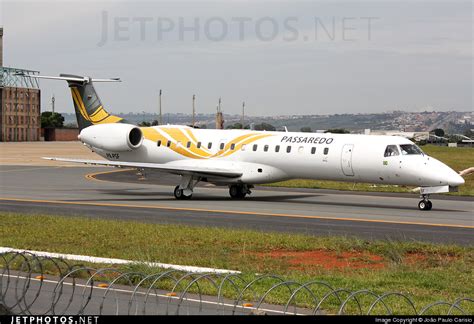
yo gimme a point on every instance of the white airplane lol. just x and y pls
(240, 159)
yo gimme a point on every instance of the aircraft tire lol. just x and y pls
(236, 192)
(430, 205)
(178, 193)
(425, 205)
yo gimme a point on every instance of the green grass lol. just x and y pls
(444, 272)
(458, 158)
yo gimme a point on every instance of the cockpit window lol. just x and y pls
(409, 149)
(391, 150)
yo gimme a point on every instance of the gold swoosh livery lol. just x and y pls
(99, 116)
(178, 135)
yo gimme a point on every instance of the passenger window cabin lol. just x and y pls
(288, 149)
(232, 146)
(222, 146)
(198, 145)
(255, 146)
(209, 145)
(188, 145)
(158, 143)
(265, 148)
(168, 144)
(326, 150)
(313, 150)
(277, 148)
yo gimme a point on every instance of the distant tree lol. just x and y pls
(144, 124)
(421, 143)
(50, 119)
(453, 139)
(306, 130)
(337, 131)
(439, 132)
(265, 126)
(155, 123)
(235, 126)
(70, 125)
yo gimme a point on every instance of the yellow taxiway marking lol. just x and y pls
(92, 176)
(237, 212)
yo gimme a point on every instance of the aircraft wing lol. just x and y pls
(175, 169)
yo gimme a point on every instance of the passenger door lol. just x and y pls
(391, 164)
(346, 160)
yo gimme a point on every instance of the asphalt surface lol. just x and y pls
(81, 296)
(122, 195)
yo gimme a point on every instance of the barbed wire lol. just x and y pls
(33, 285)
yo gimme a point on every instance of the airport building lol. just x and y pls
(20, 102)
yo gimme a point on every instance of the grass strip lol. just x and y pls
(426, 272)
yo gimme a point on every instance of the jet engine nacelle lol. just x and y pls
(112, 137)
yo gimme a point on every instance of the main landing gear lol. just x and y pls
(185, 189)
(239, 191)
(425, 203)
(179, 194)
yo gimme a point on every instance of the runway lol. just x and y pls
(87, 191)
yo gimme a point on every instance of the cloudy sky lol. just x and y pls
(280, 57)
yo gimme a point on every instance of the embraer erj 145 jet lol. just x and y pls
(240, 159)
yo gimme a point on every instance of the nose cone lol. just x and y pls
(455, 180)
(440, 174)
(450, 176)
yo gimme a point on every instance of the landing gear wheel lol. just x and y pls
(178, 193)
(425, 205)
(237, 192)
(430, 205)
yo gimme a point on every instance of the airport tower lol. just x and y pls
(20, 102)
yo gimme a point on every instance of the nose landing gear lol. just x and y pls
(425, 204)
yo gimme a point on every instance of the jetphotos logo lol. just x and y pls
(239, 28)
(42, 319)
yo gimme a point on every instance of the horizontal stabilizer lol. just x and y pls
(68, 77)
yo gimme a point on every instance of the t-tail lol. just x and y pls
(87, 104)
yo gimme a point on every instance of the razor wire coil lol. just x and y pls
(76, 289)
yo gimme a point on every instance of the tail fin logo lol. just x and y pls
(99, 116)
